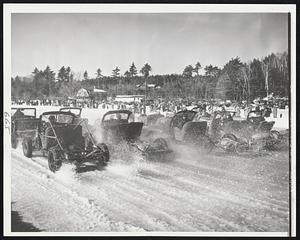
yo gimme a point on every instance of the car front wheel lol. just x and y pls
(27, 147)
(54, 163)
(14, 141)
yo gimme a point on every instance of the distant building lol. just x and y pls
(129, 98)
(82, 93)
(149, 86)
(99, 94)
(83, 96)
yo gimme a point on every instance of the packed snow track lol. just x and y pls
(192, 193)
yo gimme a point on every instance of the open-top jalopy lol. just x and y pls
(120, 126)
(59, 136)
(222, 131)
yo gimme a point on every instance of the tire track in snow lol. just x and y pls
(178, 192)
(81, 210)
(173, 202)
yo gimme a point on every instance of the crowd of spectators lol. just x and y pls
(240, 109)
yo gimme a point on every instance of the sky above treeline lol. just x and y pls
(167, 41)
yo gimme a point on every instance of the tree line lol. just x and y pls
(236, 81)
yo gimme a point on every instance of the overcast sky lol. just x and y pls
(168, 42)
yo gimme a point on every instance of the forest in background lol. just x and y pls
(235, 81)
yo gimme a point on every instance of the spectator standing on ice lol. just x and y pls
(275, 111)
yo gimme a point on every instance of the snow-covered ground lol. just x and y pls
(194, 192)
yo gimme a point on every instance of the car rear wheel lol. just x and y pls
(160, 143)
(54, 163)
(275, 135)
(230, 136)
(228, 142)
(208, 145)
(241, 148)
(27, 147)
(14, 141)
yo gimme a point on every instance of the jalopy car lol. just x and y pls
(60, 137)
(120, 125)
(252, 133)
(185, 128)
(222, 131)
(23, 124)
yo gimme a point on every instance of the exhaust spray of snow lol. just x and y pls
(67, 174)
(97, 132)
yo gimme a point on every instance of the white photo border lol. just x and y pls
(9, 9)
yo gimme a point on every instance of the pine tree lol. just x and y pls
(133, 70)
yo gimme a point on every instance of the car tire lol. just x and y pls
(240, 148)
(230, 136)
(160, 143)
(53, 163)
(27, 147)
(14, 141)
(208, 145)
(275, 135)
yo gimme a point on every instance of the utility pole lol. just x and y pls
(267, 80)
(145, 97)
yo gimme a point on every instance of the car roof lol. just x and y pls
(58, 112)
(22, 108)
(70, 108)
(184, 111)
(115, 112)
(118, 111)
(256, 111)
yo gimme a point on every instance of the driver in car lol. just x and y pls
(18, 114)
(52, 119)
(119, 117)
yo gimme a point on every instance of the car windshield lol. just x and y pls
(59, 118)
(116, 116)
(76, 111)
(184, 116)
(23, 112)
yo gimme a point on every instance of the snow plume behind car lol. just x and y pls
(67, 174)
(97, 133)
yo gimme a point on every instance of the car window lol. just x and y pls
(73, 110)
(254, 114)
(63, 118)
(59, 118)
(116, 116)
(131, 118)
(24, 111)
